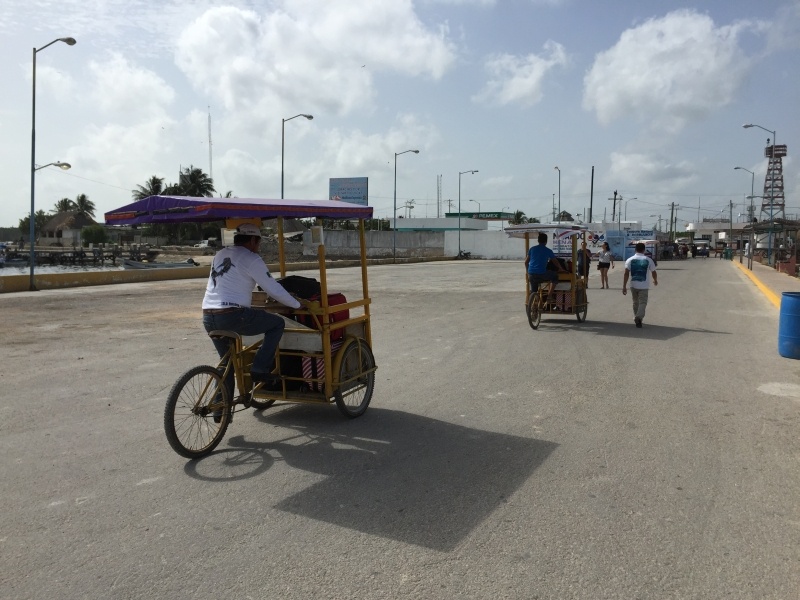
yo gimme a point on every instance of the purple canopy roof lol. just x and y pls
(186, 209)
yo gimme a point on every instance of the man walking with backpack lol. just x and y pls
(636, 269)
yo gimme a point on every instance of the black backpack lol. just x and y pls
(302, 287)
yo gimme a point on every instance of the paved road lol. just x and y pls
(590, 460)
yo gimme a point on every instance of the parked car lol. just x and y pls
(209, 243)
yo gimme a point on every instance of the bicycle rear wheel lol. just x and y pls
(581, 305)
(198, 412)
(534, 309)
(356, 379)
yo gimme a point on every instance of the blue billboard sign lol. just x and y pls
(350, 189)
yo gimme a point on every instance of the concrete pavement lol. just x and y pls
(582, 460)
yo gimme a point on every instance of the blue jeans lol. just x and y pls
(248, 321)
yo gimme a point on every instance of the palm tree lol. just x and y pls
(84, 206)
(519, 218)
(193, 182)
(153, 187)
(64, 205)
(172, 189)
(40, 219)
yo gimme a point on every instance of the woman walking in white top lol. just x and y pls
(605, 260)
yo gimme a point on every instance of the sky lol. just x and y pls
(646, 98)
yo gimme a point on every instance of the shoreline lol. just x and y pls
(50, 281)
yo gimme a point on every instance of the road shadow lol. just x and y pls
(391, 473)
(617, 329)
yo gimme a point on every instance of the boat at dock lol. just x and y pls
(135, 264)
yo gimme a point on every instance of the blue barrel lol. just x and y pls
(789, 325)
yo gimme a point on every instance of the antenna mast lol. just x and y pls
(210, 164)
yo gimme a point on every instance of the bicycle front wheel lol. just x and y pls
(198, 412)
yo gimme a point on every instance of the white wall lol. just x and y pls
(485, 244)
(441, 224)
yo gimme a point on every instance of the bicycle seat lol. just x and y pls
(221, 333)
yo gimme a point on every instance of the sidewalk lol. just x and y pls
(771, 283)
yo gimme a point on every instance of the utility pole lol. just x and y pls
(614, 208)
(671, 221)
(591, 196)
(730, 227)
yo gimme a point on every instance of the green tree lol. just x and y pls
(172, 189)
(63, 205)
(153, 187)
(94, 234)
(40, 219)
(519, 218)
(84, 206)
(193, 182)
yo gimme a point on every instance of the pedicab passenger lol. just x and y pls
(235, 271)
(537, 261)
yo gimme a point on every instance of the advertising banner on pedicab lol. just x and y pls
(559, 239)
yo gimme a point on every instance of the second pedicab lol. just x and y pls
(569, 297)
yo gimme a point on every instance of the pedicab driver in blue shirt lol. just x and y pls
(235, 271)
(537, 260)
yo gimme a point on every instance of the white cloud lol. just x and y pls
(316, 55)
(519, 79)
(128, 91)
(340, 154)
(118, 155)
(669, 71)
(53, 82)
(500, 181)
(658, 173)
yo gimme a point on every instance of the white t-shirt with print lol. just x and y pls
(235, 271)
(640, 266)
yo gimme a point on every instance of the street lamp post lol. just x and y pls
(626, 206)
(502, 220)
(752, 212)
(559, 193)
(659, 221)
(771, 190)
(459, 207)
(394, 214)
(283, 139)
(69, 42)
(479, 205)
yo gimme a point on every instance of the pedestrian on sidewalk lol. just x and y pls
(636, 269)
(605, 260)
(584, 262)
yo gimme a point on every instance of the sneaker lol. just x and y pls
(268, 381)
(638, 322)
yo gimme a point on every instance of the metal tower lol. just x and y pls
(773, 201)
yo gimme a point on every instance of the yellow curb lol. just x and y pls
(767, 292)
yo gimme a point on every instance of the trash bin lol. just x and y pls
(789, 325)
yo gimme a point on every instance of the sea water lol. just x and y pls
(47, 269)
